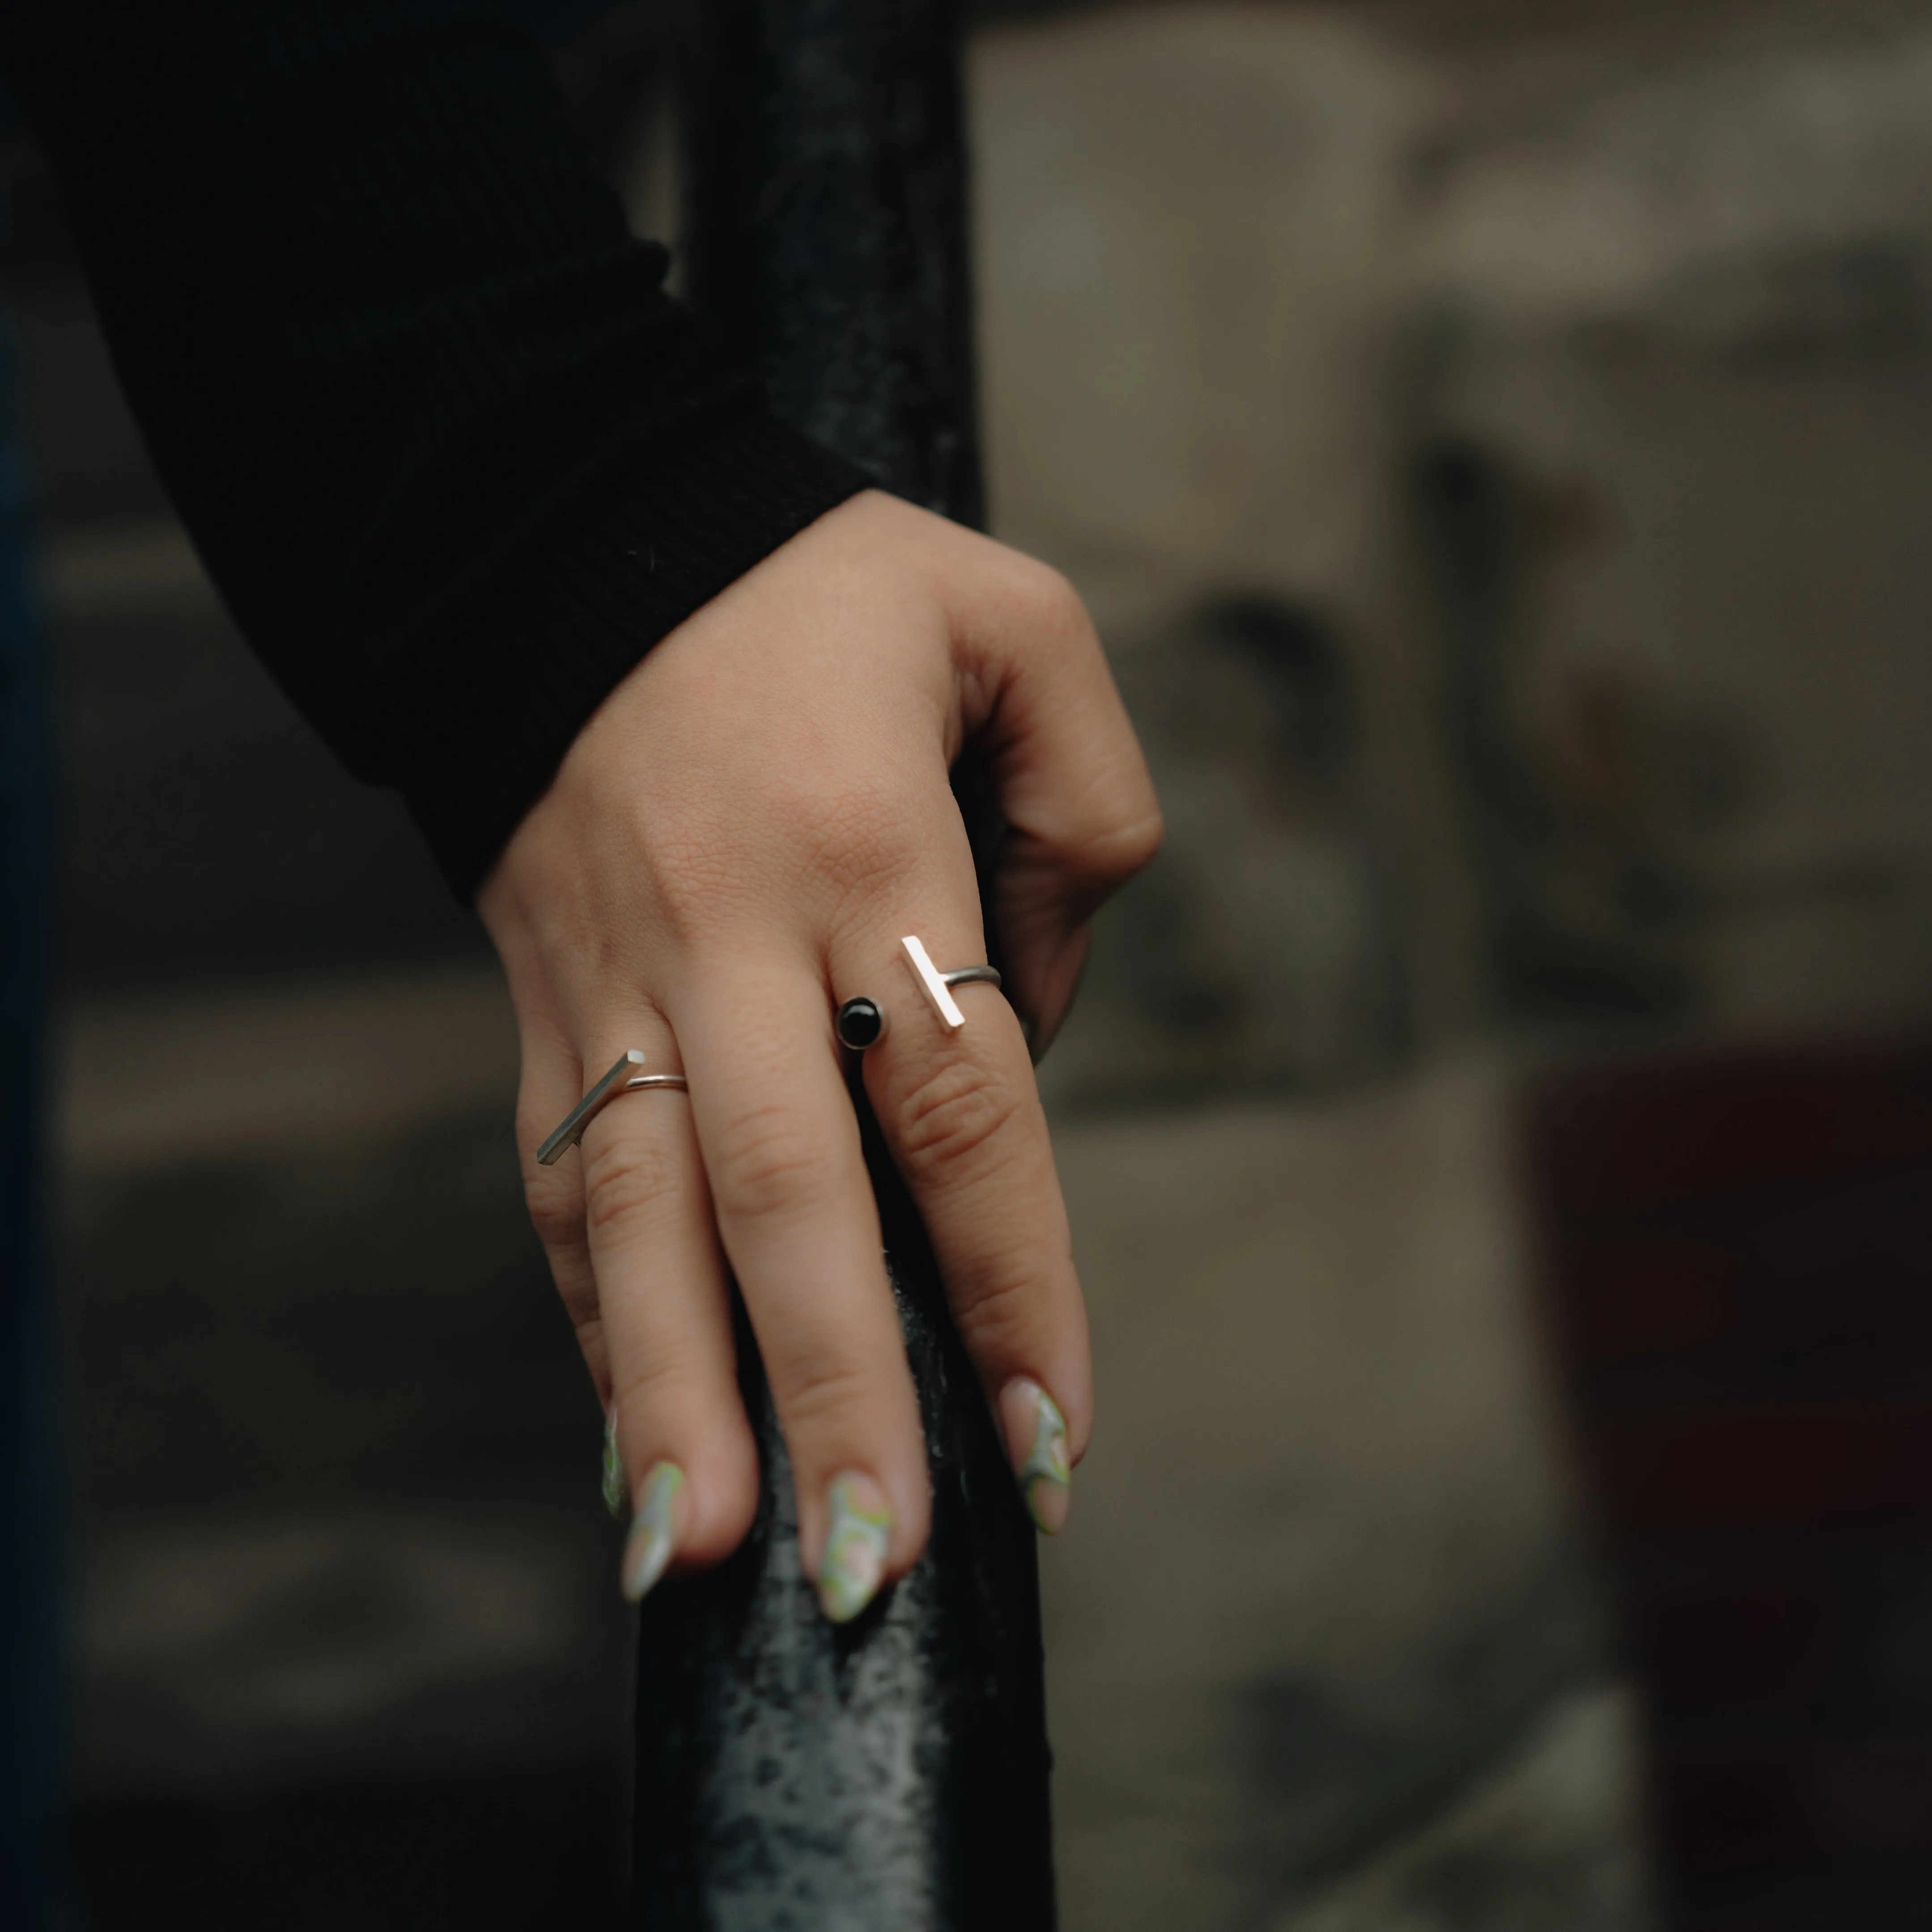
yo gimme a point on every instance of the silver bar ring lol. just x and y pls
(862, 1021)
(624, 1078)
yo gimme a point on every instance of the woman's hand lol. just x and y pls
(735, 844)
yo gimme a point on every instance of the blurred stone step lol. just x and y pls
(487, 1848)
(340, 1455)
(268, 1072)
(295, 1245)
(229, 1653)
(1546, 1841)
(1324, 1532)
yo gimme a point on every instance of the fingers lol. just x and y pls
(682, 1438)
(795, 1212)
(960, 1110)
(625, 1222)
(720, 810)
(1072, 785)
(552, 1084)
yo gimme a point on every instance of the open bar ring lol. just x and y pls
(939, 986)
(862, 1022)
(624, 1078)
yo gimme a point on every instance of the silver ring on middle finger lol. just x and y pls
(861, 1022)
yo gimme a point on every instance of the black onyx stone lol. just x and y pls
(861, 1024)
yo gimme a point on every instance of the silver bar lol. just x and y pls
(934, 981)
(579, 1117)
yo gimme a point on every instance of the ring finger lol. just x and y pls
(682, 1435)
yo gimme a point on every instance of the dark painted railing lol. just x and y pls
(891, 1775)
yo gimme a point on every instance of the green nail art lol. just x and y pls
(648, 1548)
(614, 1468)
(1047, 1470)
(855, 1549)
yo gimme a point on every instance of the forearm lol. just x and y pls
(453, 456)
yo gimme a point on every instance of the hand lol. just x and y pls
(735, 844)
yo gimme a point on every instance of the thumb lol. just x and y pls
(1046, 723)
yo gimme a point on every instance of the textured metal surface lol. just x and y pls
(826, 226)
(890, 1775)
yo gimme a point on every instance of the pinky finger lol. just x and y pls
(554, 1197)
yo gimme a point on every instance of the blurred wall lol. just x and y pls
(1560, 381)
(1489, 437)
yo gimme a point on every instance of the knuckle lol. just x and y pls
(662, 1384)
(997, 1312)
(1053, 603)
(621, 1182)
(775, 1161)
(1106, 846)
(555, 1214)
(1124, 847)
(586, 1318)
(820, 1382)
(954, 1116)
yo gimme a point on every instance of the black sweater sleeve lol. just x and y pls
(452, 455)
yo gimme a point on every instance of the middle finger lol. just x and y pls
(796, 1216)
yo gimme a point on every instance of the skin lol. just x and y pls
(735, 844)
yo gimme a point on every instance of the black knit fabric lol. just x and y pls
(452, 455)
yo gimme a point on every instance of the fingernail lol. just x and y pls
(653, 1536)
(1036, 1441)
(614, 1466)
(860, 1522)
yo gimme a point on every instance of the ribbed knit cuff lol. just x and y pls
(479, 729)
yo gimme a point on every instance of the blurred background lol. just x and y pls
(1495, 438)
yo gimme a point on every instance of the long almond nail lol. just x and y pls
(614, 1493)
(860, 1523)
(1035, 1434)
(653, 1536)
